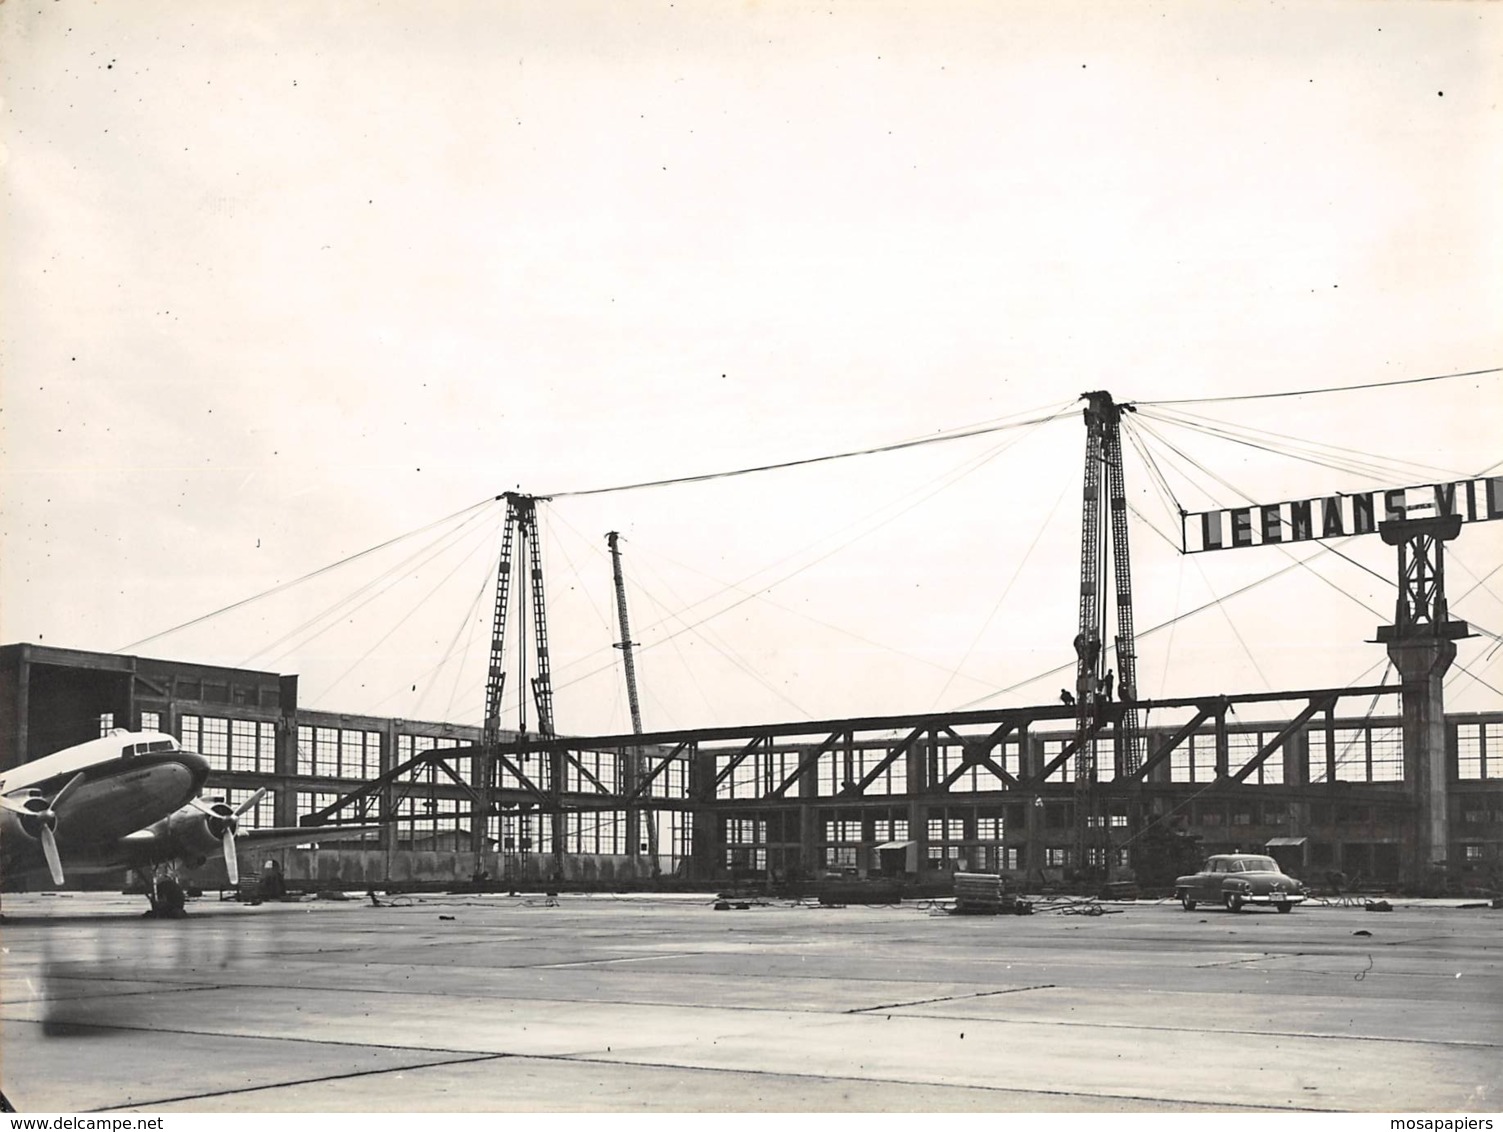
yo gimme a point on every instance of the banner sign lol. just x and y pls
(1334, 516)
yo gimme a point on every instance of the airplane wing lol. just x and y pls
(147, 847)
(280, 837)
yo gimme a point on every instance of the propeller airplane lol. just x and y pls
(127, 800)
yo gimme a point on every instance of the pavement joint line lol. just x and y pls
(602, 962)
(238, 1036)
(1461, 1043)
(506, 997)
(832, 1015)
(154, 989)
(303, 1081)
(749, 1008)
(168, 979)
(948, 998)
(596, 1059)
(675, 1005)
(1254, 959)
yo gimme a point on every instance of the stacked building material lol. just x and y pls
(978, 894)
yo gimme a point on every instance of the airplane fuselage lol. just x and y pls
(130, 781)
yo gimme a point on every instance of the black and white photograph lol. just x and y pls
(677, 557)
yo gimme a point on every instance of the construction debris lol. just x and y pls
(983, 894)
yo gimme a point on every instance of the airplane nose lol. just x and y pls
(197, 765)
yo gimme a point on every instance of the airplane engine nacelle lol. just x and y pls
(14, 827)
(196, 835)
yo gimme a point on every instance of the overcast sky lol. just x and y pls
(283, 281)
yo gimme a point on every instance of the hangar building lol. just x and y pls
(900, 796)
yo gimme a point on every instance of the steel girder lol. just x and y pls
(896, 737)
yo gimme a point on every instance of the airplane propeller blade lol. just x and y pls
(73, 784)
(250, 802)
(43, 819)
(231, 859)
(49, 850)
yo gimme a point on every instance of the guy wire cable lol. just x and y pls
(1037, 417)
(1327, 389)
(837, 549)
(311, 574)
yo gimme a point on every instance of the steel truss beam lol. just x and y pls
(977, 752)
(813, 740)
(856, 789)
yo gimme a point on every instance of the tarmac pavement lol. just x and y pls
(660, 1003)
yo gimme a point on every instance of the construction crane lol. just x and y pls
(633, 770)
(1093, 681)
(521, 522)
(613, 540)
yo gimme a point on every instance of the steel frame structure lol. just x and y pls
(840, 763)
(1093, 694)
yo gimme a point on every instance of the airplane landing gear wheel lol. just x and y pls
(168, 901)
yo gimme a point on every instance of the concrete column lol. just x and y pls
(808, 837)
(1223, 755)
(1422, 665)
(1032, 756)
(1297, 773)
(480, 783)
(808, 813)
(128, 719)
(629, 773)
(284, 807)
(556, 765)
(917, 758)
(1422, 644)
(387, 802)
(705, 833)
(23, 713)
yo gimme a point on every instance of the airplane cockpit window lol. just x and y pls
(132, 749)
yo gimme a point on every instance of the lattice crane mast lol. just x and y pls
(521, 523)
(1093, 681)
(632, 771)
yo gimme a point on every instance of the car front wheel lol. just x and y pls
(1233, 902)
(1184, 899)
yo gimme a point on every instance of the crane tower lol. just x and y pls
(1094, 682)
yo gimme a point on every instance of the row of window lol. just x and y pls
(338, 752)
(1194, 760)
(1479, 750)
(441, 824)
(589, 772)
(231, 744)
(1346, 754)
(975, 858)
(1353, 754)
(436, 823)
(957, 858)
(216, 692)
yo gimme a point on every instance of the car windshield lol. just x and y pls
(1255, 865)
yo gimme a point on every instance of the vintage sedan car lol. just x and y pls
(1238, 879)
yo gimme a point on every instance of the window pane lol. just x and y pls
(1387, 747)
